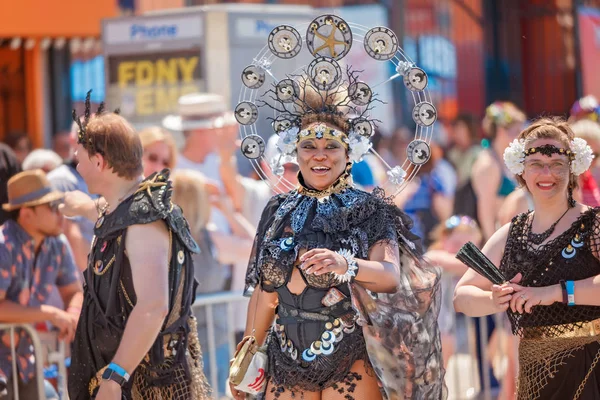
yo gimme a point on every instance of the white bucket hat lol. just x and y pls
(200, 111)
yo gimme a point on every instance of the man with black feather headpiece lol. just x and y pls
(136, 337)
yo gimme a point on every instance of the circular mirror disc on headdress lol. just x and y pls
(329, 36)
(363, 127)
(287, 91)
(253, 77)
(416, 79)
(246, 113)
(325, 73)
(381, 43)
(418, 152)
(285, 41)
(360, 93)
(284, 122)
(253, 147)
(424, 114)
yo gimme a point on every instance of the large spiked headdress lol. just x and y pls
(323, 101)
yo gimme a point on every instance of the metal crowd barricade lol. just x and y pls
(463, 377)
(468, 374)
(462, 372)
(209, 301)
(47, 349)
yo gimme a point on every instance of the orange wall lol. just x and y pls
(35, 18)
(468, 36)
(12, 85)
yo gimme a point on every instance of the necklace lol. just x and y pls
(539, 238)
(336, 187)
(120, 199)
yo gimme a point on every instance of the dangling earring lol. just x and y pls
(570, 199)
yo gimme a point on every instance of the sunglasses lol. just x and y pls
(53, 205)
(456, 220)
(155, 159)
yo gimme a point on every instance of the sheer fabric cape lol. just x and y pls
(400, 328)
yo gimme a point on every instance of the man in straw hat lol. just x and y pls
(206, 122)
(136, 338)
(34, 258)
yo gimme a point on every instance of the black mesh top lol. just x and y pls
(572, 255)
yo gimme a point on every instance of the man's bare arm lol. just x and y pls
(148, 251)
(72, 296)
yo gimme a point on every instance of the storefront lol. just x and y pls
(39, 42)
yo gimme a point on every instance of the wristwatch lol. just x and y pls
(112, 373)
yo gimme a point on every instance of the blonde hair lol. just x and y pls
(155, 134)
(190, 193)
(329, 107)
(586, 129)
(501, 114)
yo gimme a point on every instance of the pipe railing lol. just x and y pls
(462, 384)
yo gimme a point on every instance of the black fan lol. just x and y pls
(473, 258)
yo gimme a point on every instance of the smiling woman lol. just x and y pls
(320, 249)
(552, 258)
(160, 150)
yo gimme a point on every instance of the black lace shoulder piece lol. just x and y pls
(266, 220)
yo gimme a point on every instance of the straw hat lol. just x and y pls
(28, 189)
(200, 111)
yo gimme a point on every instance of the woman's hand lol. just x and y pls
(322, 261)
(237, 394)
(501, 296)
(525, 298)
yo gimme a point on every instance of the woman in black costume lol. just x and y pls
(339, 295)
(551, 257)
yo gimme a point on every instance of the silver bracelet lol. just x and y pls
(352, 267)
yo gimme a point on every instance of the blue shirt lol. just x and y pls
(440, 180)
(28, 279)
(66, 179)
(362, 174)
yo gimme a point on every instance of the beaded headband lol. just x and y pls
(319, 130)
(548, 150)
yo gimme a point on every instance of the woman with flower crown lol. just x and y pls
(340, 298)
(551, 258)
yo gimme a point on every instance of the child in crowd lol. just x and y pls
(448, 237)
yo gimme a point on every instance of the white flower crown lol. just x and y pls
(514, 156)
